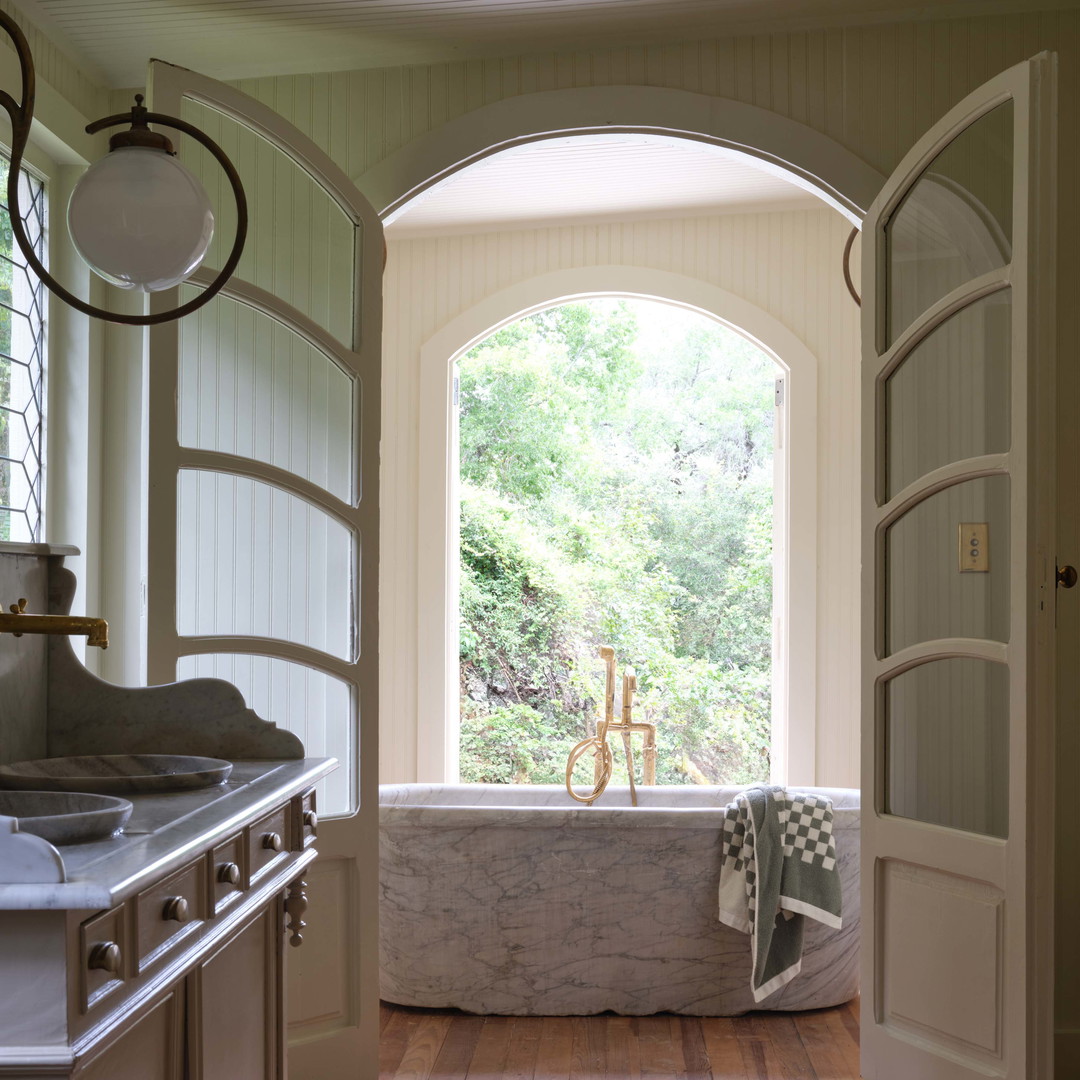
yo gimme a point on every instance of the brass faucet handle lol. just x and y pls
(19, 608)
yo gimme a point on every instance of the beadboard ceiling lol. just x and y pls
(596, 179)
(231, 39)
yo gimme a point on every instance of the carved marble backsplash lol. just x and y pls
(52, 706)
(24, 572)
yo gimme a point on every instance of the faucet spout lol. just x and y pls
(18, 623)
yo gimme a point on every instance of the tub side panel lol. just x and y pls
(526, 920)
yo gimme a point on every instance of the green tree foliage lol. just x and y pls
(616, 467)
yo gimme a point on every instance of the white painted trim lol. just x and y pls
(794, 743)
(798, 153)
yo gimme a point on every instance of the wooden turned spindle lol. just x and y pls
(296, 904)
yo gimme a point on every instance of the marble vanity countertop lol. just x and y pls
(164, 832)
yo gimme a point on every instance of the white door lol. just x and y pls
(958, 595)
(263, 515)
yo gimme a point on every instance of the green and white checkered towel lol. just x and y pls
(779, 860)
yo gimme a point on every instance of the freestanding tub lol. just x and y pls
(512, 899)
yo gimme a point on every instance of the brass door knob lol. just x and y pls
(105, 956)
(311, 819)
(272, 841)
(1066, 576)
(176, 909)
(228, 874)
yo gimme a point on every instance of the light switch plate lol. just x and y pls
(974, 551)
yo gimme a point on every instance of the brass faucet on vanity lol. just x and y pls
(19, 623)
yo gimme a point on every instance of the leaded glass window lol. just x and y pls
(22, 366)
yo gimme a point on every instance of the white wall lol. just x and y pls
(787, 264)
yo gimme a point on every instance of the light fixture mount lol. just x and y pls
(139, 135)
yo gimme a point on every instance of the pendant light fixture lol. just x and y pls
(138, 217)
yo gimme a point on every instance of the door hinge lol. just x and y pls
(779, 392)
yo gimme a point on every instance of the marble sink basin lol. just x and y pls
(116, 774)
(65, 817)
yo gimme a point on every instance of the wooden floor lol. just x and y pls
(425, 1044)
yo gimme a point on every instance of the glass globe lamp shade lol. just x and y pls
(140, 219)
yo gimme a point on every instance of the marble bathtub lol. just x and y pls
(513, 900)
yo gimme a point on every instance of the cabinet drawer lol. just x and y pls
(307, 820)
(168, 912)
(269, 840)
(103, 963)
(228, 878)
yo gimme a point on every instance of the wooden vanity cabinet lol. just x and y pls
(235, 1007)
(150, 1049)
(182, 980)
(221, 1021)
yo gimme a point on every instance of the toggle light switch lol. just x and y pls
(974, 553)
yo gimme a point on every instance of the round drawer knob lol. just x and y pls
(228, 874)
(311, 819)
(272, 841)
(176, 909)
(105, 956)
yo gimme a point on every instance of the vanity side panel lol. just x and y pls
(33, 961)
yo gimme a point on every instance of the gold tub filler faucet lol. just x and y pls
(598, 744)
(19, 623)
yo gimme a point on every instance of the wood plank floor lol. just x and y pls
(435, 1044)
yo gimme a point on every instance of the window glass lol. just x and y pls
(946, 745)
(956, 221)
(22, 366)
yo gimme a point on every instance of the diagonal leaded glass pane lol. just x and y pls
(22, 367)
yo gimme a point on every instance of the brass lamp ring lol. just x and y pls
(847, 266)
(21, 114)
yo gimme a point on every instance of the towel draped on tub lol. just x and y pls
(778, 860)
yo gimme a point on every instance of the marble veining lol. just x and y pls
(208, 717)
(115, 774)
(511, 900)
(163, 833)
(65, 817)
(28, 858)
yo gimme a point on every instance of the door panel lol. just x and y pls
(948, 398)
(252, 386)
(263, 508)
(946, 745)
(955, 221)
(957, 528)
(927, 594)
(926, 994)
(300, 698)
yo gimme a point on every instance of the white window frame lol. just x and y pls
(794, 727)
(37, 167)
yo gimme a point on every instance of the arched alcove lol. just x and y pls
(795, 574)
(773, 142)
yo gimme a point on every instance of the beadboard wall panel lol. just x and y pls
(787, 264)
(78, 86)
(873, 88)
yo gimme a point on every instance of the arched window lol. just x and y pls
(793, 731)
(615, 484)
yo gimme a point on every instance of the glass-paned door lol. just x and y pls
(957, 592)
(263, 514)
